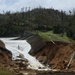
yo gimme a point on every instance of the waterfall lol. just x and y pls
(18, 47)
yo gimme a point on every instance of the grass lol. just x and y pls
(62, 38)
(59, 37)
(5, 72)
(50, 36)
(44, 36)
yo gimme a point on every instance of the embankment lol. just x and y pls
(57, 55)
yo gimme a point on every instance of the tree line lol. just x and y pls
(15, 24)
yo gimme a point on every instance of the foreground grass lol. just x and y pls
(5, 72)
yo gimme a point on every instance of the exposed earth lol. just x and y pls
(4, 58)
(56, 55)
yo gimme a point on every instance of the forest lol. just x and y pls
(42, 19)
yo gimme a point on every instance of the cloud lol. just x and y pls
(7, 5)
(63, 4)
(16, 5)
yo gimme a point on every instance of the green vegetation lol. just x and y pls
(16, 24)
(5, 72)
(44, 36)
(50, 36)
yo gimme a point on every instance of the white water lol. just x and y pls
(18, 47)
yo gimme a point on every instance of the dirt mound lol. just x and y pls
(57, 55)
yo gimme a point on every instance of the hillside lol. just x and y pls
(37, 19)
(51, 36)
(57, 55)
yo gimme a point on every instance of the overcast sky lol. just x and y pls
(16, 5)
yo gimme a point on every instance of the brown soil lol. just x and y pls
(57, 55)
(4, 58)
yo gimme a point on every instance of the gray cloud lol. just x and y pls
(16, 5)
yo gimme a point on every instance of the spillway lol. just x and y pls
(21, 47)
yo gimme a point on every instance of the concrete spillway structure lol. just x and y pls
(36, 43)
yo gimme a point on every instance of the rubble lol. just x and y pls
(57, 55)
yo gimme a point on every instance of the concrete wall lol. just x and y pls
(36, 43)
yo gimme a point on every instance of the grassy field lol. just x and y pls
(50, 36)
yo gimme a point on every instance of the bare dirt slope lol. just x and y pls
(57, 55)
(4, 55)
(4, 59)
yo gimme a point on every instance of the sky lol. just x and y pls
(16, 5)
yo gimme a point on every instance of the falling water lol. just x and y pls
(18, 47)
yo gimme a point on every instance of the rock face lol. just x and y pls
(57, 55)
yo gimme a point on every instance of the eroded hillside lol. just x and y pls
(57, 55)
